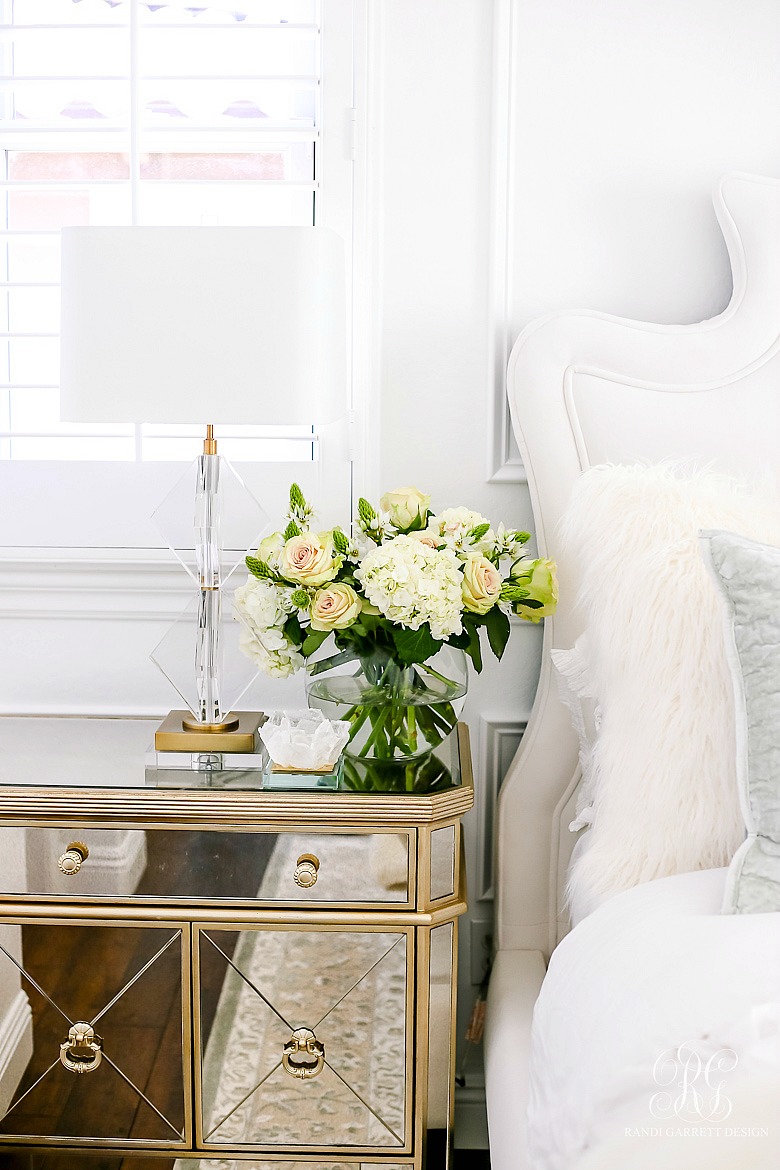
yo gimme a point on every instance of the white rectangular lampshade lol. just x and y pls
(202, 325)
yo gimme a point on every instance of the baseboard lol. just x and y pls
(471, 1128)
(16, 1047)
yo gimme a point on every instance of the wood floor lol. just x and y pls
(81, 968)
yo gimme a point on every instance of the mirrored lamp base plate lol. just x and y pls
(176, 734)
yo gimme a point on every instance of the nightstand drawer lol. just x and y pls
(96, 1033)
(208, 865)
(310, 1044)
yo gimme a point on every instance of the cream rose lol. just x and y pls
(407, 507)
(309, 559)
(481, 585)
(427, 537)
(335, 608)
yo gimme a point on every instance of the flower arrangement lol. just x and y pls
(406, 584)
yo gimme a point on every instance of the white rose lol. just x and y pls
(309, 559)
(406, 506)
(270, 550)
(335, 608)
(481, 585)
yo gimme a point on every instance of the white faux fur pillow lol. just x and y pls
(664, 787)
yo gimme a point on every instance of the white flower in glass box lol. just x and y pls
(401, 602)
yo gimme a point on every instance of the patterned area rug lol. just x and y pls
(350, 988)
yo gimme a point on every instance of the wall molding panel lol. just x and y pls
(504, 462)
(92, 588)
(499, 738)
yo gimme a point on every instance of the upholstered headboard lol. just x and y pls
(586, 388)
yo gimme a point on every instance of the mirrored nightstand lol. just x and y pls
(223, 977)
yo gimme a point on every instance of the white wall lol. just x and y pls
(435, 208)
(612, 120)
(625, 113)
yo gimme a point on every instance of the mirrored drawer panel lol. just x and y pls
(82, 861)
(308, 1044)
(95, 1047)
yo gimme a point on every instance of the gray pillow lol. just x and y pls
(748, 577)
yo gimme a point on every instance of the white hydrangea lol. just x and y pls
(271, 651)
(411, 583)
(453, 525)
(263, 608)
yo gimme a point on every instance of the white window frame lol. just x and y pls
(61, 490)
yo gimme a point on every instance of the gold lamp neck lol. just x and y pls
(209, 443)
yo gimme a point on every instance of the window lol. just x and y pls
(141, 112)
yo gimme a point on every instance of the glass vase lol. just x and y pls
(398, 714)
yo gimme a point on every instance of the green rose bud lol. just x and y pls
(539, 578)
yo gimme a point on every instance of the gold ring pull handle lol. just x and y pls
(82, 1052)
(73, 858)
(303, 1056)
(306, 871)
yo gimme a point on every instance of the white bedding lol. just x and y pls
(652, 968)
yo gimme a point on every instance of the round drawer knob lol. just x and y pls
(73, 858)
(306, 870)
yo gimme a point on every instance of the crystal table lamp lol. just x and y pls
(204, 325)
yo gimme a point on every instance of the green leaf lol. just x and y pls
(474, 649)
(291, 530)
(478, 532)
(522, 537)
(292, 628)
(334, 660)
(459, 641)
(497, 624)
(313, 641)
(415, 645)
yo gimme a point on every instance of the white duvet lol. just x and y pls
(652, 969)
